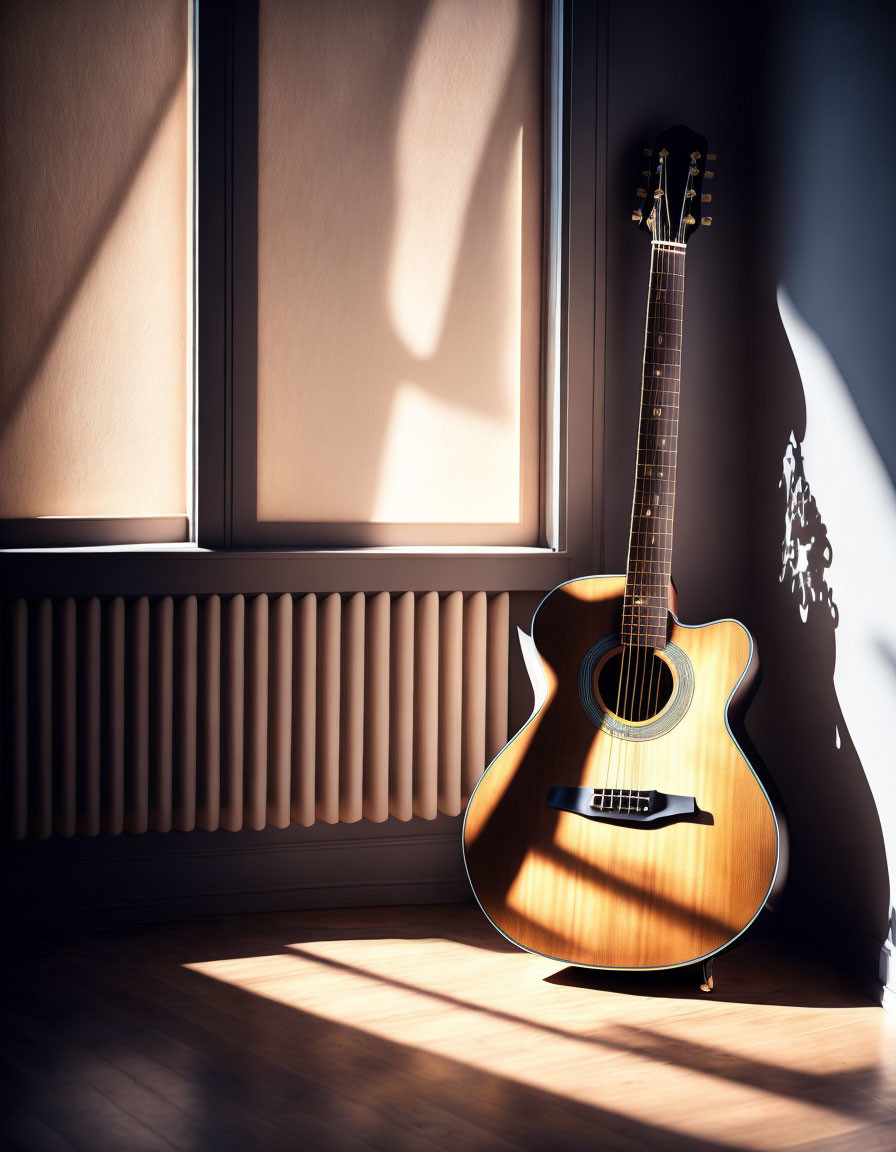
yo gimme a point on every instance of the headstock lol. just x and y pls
(674, 171)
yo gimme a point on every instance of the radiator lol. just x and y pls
(180, 713)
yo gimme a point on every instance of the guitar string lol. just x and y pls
(634, 684)
(643, 654)
(658, 292)
(656, 660)
(649, 387)
(640, 584)
(625, 659)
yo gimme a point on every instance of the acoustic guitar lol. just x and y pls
(623, 827)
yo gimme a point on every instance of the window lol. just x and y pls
(388, 304)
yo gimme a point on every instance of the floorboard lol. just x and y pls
(421, 1029)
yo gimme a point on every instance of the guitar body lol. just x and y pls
(596, 886)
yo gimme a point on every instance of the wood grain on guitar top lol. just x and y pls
(593, 893)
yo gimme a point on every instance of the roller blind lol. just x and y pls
(400, 230)
(94, 246)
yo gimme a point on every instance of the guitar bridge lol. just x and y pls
(634, 807)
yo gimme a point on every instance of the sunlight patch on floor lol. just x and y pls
(644, 1058)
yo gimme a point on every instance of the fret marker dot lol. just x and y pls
(658, 372)
(647, 513)
(657, 411)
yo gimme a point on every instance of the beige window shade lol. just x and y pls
(400, 265)
(94, 235)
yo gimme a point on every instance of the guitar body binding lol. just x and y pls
(559, 865)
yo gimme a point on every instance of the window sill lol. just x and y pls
(185, 569)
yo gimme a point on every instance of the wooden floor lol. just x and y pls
(419, 1028)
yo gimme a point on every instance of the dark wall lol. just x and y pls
(795, 100)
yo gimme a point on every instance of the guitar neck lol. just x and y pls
(646, 604)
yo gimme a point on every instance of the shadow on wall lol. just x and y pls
(793, 98)
(823, 716)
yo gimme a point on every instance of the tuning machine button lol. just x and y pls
(706, 198)
(637, 217)
(710, 155)
(708, 175)
(642, 192)
(706, 220)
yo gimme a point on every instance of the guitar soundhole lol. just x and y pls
(634, 684)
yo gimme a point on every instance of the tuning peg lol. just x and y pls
(689, 220)
(706, 198)
(637, 217)
(706, 220)
(708, 175)
(642, 192)
(710, 155)
(658, 195)
(695, 155)
(645, 151)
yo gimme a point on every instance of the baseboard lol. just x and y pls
(888, 975)
(64, 885)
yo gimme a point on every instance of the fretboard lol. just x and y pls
(646, 604)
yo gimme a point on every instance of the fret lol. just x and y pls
(652, 633)
(655, 511)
